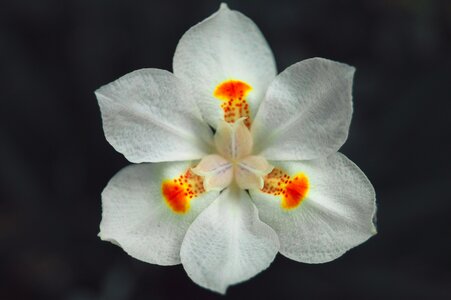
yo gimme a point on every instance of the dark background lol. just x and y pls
(55, 161)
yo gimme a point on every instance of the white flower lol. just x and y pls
(267, 179)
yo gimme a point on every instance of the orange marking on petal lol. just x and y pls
(233, 94)
(291, 190)
(179, 191)
(296, 190)
(174, 196)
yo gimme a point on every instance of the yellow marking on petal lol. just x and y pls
(233, 94)
(292, 190)
(178, 192)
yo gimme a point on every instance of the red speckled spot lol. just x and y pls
(292, 190)
(179, 191)
(233, 94)
(295, 191)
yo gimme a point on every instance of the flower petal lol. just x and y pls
(335, 215)
(227, 243)
(233, 141)
(226, 48)
(136, 217)
(250, 171)
(218, 172)
(149, 116)
(306, 112)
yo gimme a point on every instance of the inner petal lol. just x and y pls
(233, 141)
(233, 94)
(250, 171)
(216, 170)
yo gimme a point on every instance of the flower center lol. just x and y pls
(233, 162)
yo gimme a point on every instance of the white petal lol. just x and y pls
(136, 217)
(149, 116)
(335, 216)
(250, 171)
(217, 172)
(227, 243)
(225, 46)
(306, 112)
(233, 141)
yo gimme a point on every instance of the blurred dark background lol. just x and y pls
(55, 161)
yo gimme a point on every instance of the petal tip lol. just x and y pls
(223, 5)
(97, 92)
(374, 230)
